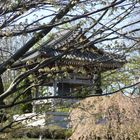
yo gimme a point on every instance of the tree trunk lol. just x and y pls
(2, 115)
(27, 108)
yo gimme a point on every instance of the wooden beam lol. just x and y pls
(98, 84)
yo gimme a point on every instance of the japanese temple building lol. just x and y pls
(78, 62)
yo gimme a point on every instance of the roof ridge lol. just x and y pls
(64, 38)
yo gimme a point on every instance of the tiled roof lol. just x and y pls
(89, 55)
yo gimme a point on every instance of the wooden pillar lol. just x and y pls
(36, 95)
(97, 84)
(55, 88)
(63, 89)
(55, 83)
(53, 101)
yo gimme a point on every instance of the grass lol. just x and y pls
(48, 132)
(24, 139)
(62, 110)
(32, 139)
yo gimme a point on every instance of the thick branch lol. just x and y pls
(35, 39)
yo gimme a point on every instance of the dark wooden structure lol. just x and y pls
(81, 61)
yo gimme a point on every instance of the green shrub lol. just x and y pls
(47, 132)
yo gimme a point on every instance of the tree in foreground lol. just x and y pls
(107, 25)
(115, 117)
